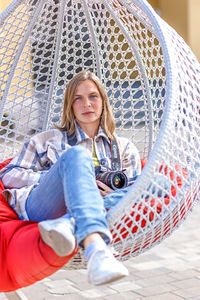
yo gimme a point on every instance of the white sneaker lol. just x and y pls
(59, 235)
(104, 268)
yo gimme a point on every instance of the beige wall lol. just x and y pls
(154, 3)
(174, 12)
(4, 4)
(194, 26)
(183, 16)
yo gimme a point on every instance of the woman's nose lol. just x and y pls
(86, 102)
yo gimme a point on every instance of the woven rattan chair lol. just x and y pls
(153, 82)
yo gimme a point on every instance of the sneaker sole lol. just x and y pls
(58, 242)
(109, 280)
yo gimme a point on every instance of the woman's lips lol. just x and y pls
(87, 113)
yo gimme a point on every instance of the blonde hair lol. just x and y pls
(67, 120)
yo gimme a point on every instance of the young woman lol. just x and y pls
(52, 180)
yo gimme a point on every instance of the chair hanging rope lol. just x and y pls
(152, 80)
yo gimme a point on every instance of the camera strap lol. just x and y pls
(115, 155)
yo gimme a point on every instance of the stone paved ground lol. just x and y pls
(169, 271)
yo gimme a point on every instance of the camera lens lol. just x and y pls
(114, 179)
(119, 180)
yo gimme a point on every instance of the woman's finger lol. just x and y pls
(104, 188)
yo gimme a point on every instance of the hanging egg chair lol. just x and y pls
(153, 82)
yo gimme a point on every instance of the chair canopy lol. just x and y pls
(153, 82)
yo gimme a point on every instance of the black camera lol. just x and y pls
(114, 179)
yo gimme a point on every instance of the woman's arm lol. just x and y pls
(25, 169)
(35, 159)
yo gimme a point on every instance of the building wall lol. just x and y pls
(154, 3)
(4, 4)
(174, 12)
(194, 26)
(183, 16)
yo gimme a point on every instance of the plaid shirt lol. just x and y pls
(37, 156)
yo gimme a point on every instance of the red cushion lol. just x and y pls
(24, 258)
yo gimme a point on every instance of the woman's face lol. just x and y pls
(87, 105)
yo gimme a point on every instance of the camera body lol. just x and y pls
(114, 179)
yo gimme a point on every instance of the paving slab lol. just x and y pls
(168, 271)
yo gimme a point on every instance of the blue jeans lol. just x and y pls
(69, 187)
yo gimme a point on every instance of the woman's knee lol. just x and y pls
(75, 153)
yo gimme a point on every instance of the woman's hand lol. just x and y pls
(103, 188)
